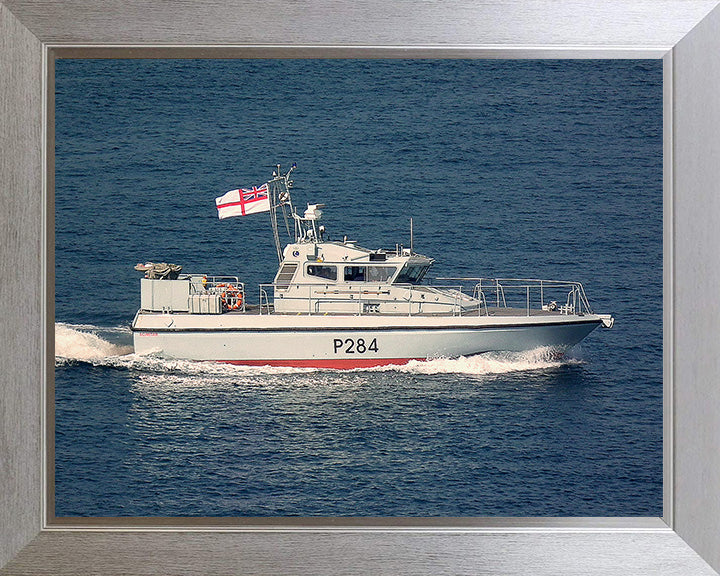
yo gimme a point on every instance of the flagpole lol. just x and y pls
(273, 185)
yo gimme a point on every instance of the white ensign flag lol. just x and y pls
(243, 201)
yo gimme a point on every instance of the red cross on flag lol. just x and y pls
(243, 201)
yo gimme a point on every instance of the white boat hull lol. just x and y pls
(348, 341)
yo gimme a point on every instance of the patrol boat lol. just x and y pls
(334, 304)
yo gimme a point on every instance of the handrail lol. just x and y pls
(368, 286)
(217, 285)
(370, 293)
(576, 301)
(264, 296)
(521, 293)
(533, 290)
(210, 284)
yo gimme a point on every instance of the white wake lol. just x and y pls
(491, 363)
(82, 343)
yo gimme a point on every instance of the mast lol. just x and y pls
(279, 198)
(305, 228)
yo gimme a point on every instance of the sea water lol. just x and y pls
(542, 169)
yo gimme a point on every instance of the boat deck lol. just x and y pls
(254, 309)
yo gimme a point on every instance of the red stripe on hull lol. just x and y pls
(337, 364)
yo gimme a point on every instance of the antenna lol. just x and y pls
(411, 235)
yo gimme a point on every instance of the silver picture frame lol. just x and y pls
(685, 34)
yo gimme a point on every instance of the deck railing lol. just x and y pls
(565, 297)
(229, 288)
(481, 296)
(366, 298)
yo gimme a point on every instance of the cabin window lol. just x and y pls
(327, 272)
(380, 273)
(411, 274)
(355, 273)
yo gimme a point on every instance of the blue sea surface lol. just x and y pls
(510, 168)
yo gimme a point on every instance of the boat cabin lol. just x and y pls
(343, 278)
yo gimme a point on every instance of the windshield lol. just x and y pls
(411, 274)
